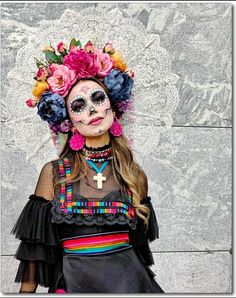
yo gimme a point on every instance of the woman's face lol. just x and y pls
(87, 101)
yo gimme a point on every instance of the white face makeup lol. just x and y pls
(87, 101)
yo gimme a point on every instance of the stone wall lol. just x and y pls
(189, 171)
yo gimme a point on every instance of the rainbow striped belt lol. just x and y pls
(97, 243)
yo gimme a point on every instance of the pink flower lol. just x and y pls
(83, 63)
(104, 61)
(61, 47)
(31, 103)
(61, 79)
(42, 74)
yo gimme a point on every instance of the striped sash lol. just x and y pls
(97, 243)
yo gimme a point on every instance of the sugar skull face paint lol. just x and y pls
(79, 104)
(87, 101)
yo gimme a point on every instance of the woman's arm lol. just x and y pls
(28, 284)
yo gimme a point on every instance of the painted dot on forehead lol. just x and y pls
(85, 89)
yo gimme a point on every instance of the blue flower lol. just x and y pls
(119, 85)
(51, 107)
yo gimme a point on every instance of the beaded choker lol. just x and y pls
(97, 154)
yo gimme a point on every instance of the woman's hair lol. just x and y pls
(125, 169)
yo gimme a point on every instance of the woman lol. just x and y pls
(87, 226)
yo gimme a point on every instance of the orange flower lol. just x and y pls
(39, 88)
(118, 61)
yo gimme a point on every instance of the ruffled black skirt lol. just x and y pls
(117, 272)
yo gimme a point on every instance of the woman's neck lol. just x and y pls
(98, 141)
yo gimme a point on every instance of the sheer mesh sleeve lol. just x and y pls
(39, 247)
(28, 284)
(44, 187)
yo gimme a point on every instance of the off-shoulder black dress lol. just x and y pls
(45, 226)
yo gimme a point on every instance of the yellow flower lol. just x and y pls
(49, 48)
(39, 88)
(118, 61)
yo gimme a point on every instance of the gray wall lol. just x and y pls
(190, 169)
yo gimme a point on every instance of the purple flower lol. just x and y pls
(119, 85)
(65, 126)
(55, 127)
(124, 105)
(51, 107)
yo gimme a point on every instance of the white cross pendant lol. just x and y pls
(99, 179)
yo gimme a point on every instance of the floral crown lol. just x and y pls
(62, 68)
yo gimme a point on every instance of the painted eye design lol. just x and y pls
(98, 97)
(78, 105)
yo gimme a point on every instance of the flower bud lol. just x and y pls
(31, 103)
(49, 48)
(42, 74)
(61, 47)
(89, 47)
(108, 48)
(131, 74)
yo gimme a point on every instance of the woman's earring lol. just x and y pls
(116, 129)
(77, 141)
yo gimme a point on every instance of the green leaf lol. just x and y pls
(78, 43)
(51, 57)
(73, 42)
(60, 59)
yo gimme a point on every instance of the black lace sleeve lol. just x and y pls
(39, 249)
(141, 237)
(153, 228)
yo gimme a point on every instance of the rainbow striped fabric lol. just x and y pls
(97, 243)
(68, 206)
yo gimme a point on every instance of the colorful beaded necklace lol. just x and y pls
(98, 154)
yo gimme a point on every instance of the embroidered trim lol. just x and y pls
(66, 188)
(114, 208)
(68, 209)
(59, 216)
